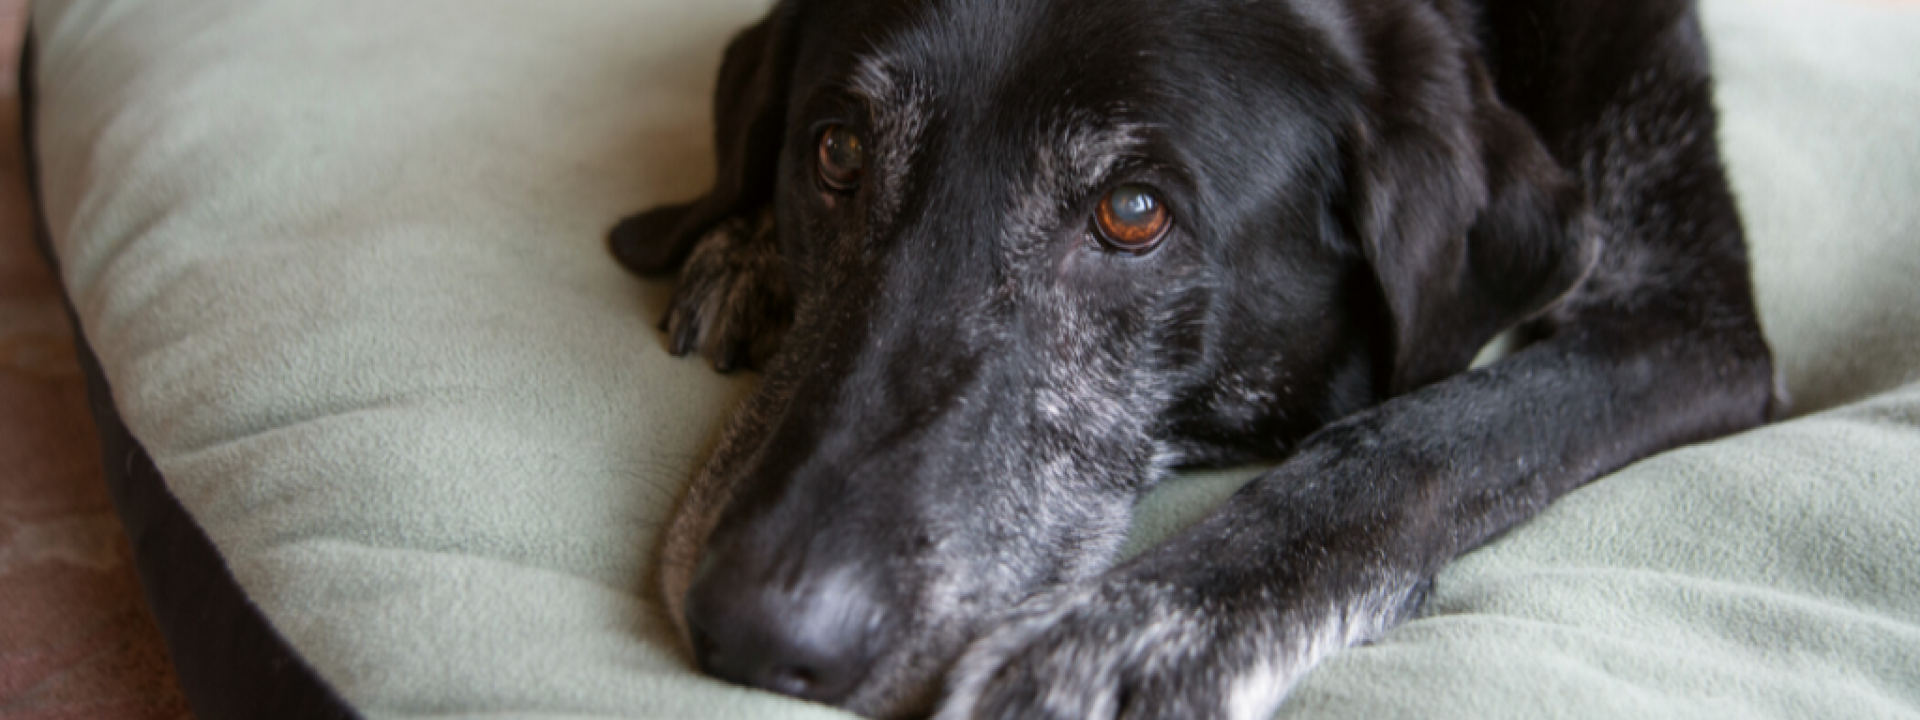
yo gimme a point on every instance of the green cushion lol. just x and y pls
(343, 265)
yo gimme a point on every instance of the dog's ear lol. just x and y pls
(1469, 223)
(749, 112)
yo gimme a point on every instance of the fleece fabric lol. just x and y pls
(343, 265)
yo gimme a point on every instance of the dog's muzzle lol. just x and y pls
(806, 634)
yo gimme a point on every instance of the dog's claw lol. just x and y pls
(685, 339)
(728, 358)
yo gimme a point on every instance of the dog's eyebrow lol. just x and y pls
(873, 79)
(1076, 156)
(1335, 22)
(899, 109)
(1083, 152)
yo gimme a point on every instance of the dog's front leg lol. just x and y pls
(1339, 543)
(1217, 623)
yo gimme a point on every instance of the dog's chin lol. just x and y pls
(912, 678)
(909, 679)
(906, 683)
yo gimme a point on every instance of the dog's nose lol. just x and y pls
(811, 639)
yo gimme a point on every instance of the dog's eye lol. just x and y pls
(1132, 219)
(842, 159)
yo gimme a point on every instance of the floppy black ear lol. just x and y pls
(749, 110)
(1471, 226)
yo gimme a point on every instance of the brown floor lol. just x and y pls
(76, 641)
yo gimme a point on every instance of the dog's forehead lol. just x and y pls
(983, 50)
(1083, 82)
(1049, 89)
(1078, 144)
(996, 54)
(959, 45)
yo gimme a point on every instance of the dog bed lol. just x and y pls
(394, 437)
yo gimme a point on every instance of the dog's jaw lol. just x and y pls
(684, 543)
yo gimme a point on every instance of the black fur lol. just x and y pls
(970, 391)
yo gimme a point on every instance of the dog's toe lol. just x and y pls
(732, 304)
(1094, 651)
(1129, 648)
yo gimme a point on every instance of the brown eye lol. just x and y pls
(842, 158)
(1132, 219)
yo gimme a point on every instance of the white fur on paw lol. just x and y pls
(1144, 650)
(1082, 645)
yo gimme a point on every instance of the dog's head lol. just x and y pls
(1041, 251)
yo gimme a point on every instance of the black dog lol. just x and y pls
(1019, 258)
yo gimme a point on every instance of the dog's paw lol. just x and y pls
(733, 304)
(1120, 649)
